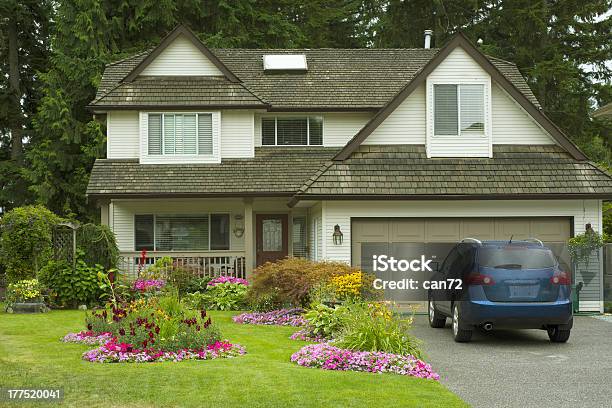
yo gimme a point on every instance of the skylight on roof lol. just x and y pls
(285, 62)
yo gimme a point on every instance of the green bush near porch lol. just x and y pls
(31, 353)
(26, 235)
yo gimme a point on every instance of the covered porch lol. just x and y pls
(207, 236)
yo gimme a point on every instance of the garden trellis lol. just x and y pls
(65, 242)
(95, 244)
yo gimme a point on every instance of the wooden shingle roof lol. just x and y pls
(337, 79)
(405, 172)
(274, 171)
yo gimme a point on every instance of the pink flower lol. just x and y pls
(227, 279)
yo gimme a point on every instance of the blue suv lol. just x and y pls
(504, 284)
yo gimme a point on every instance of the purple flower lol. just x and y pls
(328, 357)
(282, 317)
(227, 279)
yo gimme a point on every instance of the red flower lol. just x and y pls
(122, 332)
(156, 329)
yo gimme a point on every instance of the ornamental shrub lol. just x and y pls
(225, 296)
(290, 282)
(26, 235)
(70, 286)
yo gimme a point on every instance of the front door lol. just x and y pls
(272, 237)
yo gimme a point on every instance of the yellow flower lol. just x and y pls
(347, 285)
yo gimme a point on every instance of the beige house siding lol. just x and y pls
(122, 135)
(511, 124)
(405, 125)
(237, 134)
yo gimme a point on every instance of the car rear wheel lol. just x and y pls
(557, 335)
(436, 320)
(459, 333)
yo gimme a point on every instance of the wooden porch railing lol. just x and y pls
(210, 264)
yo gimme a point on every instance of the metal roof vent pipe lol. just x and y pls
(428, 34)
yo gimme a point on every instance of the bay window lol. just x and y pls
(182, 232)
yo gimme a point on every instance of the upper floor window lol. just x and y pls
(180, 134)
(459, 109)
(292, 131)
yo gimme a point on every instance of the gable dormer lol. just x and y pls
(181, 58)
(458, 108)
(181, 53)
(459, 87)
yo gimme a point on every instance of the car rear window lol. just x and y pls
(511, 257)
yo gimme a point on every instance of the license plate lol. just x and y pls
(524, 291)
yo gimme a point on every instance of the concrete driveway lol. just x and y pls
(522, 368)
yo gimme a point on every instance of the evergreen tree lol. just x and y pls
(24, 48)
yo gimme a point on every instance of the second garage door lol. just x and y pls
(552, 230)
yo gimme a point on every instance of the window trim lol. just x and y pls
(208, 214)
(486, 109)
(292, 116)
(146, 158)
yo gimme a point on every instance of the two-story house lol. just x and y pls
(227, 158)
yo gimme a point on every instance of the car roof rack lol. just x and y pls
(534, 240)
(479, 242)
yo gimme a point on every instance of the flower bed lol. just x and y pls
(227, 279)
(87, 337)
(282, 317)
(328, 357)
(113, 352)
(306, 334)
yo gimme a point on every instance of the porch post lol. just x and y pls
(249, 236)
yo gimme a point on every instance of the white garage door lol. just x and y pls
(552, 230)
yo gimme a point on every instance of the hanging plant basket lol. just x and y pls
(582, 246)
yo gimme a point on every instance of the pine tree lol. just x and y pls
(24, 48)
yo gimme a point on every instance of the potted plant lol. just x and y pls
(25, 296)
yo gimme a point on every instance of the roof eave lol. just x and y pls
(182, 107)
(416, 197)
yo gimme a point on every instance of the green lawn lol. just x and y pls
(31, 355)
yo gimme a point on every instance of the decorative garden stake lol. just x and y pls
(337, 235)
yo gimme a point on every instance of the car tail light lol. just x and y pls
(480, 279)
(560, 278)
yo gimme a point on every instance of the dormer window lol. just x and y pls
(459, 109)
(292, 131)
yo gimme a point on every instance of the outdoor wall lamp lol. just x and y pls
(238, 226)
(337, 235)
